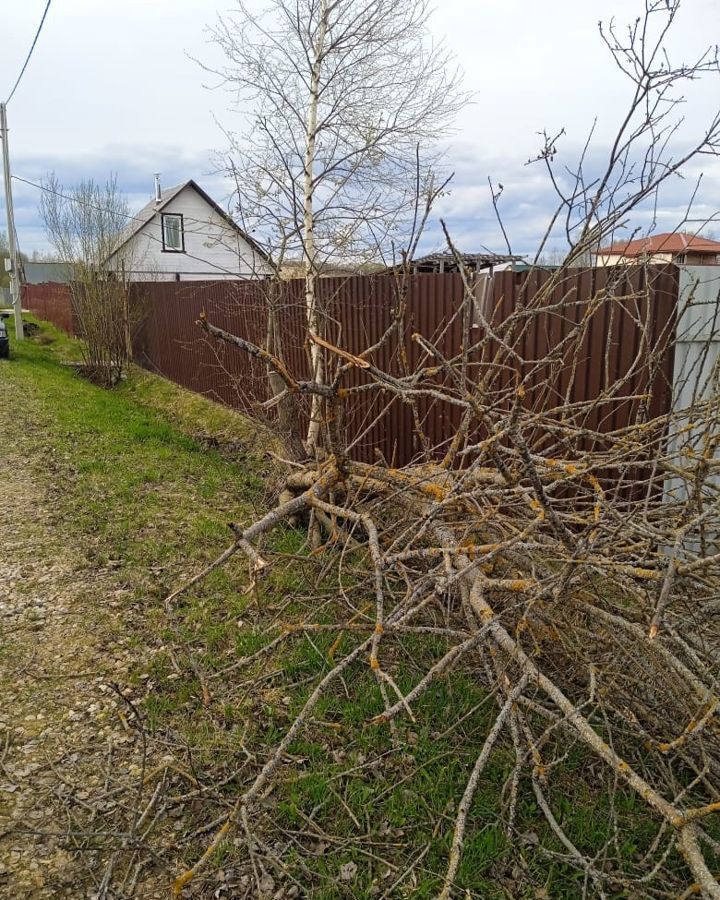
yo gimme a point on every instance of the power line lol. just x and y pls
(145, 221)
(42, 187)
(131, 218)
(30, 53)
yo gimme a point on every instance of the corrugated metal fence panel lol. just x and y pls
(613, 343)
(591, 329)
(50, 302)
(171, 343)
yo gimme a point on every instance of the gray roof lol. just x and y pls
(45, 272)
(448, 262)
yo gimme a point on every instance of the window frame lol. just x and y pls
(181, 248)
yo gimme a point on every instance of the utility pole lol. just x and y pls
(14, 261)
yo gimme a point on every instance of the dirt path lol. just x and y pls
(63, 639)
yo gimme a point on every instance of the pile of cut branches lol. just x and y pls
(572, 571)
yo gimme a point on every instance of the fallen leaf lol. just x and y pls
(348, 871)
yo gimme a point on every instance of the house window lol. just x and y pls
(173, 236)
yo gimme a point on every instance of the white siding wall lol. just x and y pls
(213, 249)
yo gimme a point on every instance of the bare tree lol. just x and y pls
(341, 94)
(85, 224)
(648, 147)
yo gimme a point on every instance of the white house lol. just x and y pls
(184, 235)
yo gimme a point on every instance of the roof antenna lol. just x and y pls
(158, 194)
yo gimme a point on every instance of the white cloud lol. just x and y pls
(111, 87)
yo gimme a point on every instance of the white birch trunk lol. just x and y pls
(311, 303)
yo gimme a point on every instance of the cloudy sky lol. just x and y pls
(112, 87)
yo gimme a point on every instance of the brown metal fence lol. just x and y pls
(360, 310)
(50, 302)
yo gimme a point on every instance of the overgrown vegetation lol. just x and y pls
(147, 477)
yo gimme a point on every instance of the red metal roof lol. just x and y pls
(670, 242)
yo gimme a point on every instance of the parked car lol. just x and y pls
(4, 339)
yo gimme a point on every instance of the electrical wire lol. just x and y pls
(30, 53)
(130, 218)
(42, 187)
(144, 221)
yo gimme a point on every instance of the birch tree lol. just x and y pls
(338, 101)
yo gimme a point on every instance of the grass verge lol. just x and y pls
(146, 477)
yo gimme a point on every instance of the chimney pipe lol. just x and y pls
(158, 194)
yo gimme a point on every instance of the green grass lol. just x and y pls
(136, 480)
(142, 486)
